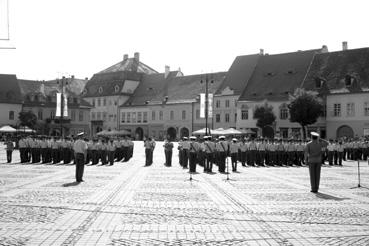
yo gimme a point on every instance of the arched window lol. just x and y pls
(100, 90)
(116, 88)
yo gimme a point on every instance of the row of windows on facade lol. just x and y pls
(103, 116)
(40, 115)
(102, 102)
(350, 109)
(37, 98)
(227, 103)
(283, 114)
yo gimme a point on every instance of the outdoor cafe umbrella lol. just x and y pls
(202, 131)
(102, 133)
(25, 129)
(7, 129)
(232, 131)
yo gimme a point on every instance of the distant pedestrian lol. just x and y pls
(80, 151)
(313, 156)
(9, 150)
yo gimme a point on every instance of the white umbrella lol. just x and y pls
(232, 131)
(25, 129)
(202, 131)
(7, 129)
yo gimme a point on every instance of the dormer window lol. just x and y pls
(348, 80)
(100, 89)
(116, 88)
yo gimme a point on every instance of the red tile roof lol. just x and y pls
(333, 68)
(239, 73)
(275, 76)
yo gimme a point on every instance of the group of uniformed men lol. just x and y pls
(55, 150)
(208, 151)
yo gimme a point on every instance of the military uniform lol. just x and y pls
(193, 151)
(233, 148)
(168, 151)
(209, 148)
(111, 152)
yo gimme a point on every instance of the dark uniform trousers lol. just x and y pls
(95, 157)
(22, 152)
(330, 157)
(300, 157)
(209, 162)
(243, 158)
(111, 155)
(148, 154)
(168, 157)
(234, 161)
(222, 159)
(9, 155)
(80, 164)
(314, 169)
(55, 156)
(185, 158)
(192, 161)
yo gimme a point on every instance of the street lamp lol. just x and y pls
(62, 82)
(206, 101)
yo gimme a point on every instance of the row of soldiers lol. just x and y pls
(250, 152)
(350, 149)
(55, 150)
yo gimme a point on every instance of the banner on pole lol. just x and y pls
(65, 108)
(58, 105)
(202, 105)
(210, 105)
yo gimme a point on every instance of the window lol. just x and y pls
(350, 107)
(115, 103)
(217, 118)
(104, 102)
(160, 115)
(183, 114)
(366, 108)
(283, 132)
(217, 103)
(100, 89)
(153, 115)
(80, 115)
(145, 117)
(134, 117)
(73, 115)
(110, 103)
(244, 115)
(93, 116)
(172, 115)
(52, 114)
(11, 115)
(153, 134)
(116, 88)
(226, 118)
(99, 102)
(123, 117)
(93, 102)
(235, 117)
(283, 113)
(337, 110)
(98, 115)
(227, 103)
(128, 117)
(139, 117)
(39, 114)
(197, 113)
(348, 80)
(115, 117)
(105, 115)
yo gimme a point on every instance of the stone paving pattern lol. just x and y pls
(129, 204)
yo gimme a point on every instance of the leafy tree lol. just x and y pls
(305, 108)
(264, 115)
(27, 118)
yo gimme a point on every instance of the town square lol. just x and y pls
(197, 122)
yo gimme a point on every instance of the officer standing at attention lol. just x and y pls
(313, 156)
(193, 151)
(168, 151)
(80, 151)
(9, 149)
(234, 147)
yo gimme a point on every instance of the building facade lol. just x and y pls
(10, 100)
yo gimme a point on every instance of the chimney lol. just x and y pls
(261, 52)
(344, 45)
(137, 56)
(324, 49)
(167, 70)
(125, 57)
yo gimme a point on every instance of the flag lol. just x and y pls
(210, 105)
(65, 109)
(58, 105)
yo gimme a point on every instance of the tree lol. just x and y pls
(305, 108)
(264, 115)
(27, 118)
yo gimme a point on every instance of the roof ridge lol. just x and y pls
(308, 70)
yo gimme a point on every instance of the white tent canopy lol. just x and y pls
(7, 129)
(25, 129)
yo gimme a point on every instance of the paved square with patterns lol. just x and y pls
(129, 204)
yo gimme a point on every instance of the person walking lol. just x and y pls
(80, 151)
(313, 156)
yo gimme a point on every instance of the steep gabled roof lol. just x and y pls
(239, 74)
(155, 88)
(334, 67)
(45, 89)
(276, 76)
(130, 65)
(10, 91)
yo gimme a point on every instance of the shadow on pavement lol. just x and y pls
(329, 197)
(75, 183)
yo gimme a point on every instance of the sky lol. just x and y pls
(54, 38)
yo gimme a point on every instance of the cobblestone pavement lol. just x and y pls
(129, 204)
